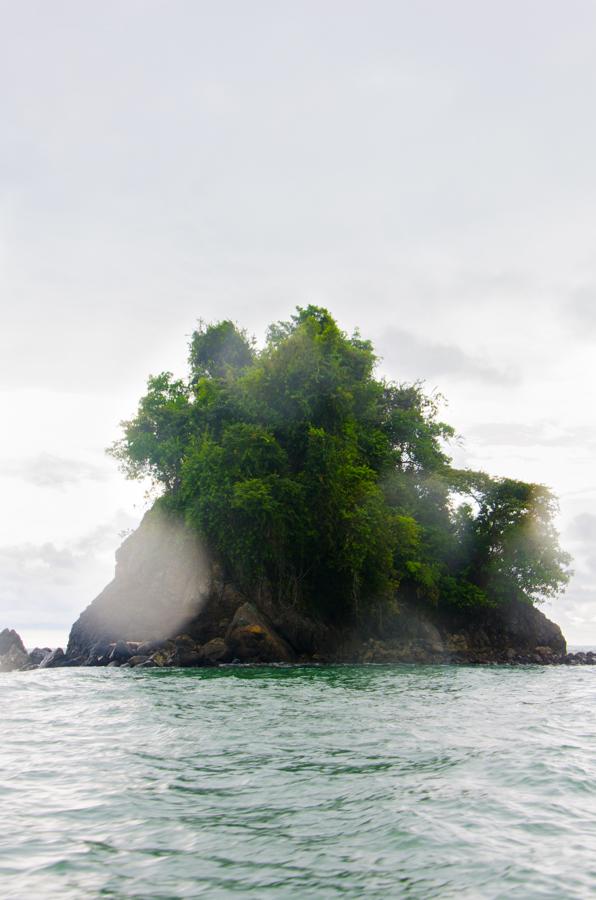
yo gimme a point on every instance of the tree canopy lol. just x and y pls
(301, 467)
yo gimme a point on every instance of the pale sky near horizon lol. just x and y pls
(425, 170)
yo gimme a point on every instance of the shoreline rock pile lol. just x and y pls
(250, 639)
(13, 654)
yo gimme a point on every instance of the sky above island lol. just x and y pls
(425, 170)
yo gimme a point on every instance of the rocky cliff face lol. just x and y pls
(14, 656)
(168, 605)
(12, 652)
(163, 576)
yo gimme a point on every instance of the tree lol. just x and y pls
(514, 550)
(302, 468)
(217, 349)
(155, 441)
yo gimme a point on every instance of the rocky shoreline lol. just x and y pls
(184, 652)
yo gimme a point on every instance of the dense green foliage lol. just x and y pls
(301, 467)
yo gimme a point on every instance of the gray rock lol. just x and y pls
(13, 659)
(9, 638)
(183, 643)
(252, 638)
(99, 654)
(166, 656)
(12, 651)
(121, 653)
(149, 647)
(38, 655)
(188, 660)
(137, 660)
(55, 659)
(215, 651)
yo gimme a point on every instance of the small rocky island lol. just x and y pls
(310, 513)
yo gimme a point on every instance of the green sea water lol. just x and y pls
(300, 782)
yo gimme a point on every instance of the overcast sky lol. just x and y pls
(424, 169)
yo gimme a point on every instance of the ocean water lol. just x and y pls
(467, 782)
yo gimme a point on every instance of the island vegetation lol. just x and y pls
(304, 469)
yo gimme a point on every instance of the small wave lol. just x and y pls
(299, 782)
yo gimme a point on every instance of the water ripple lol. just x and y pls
(428, 782)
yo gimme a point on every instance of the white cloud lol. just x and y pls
(579, 312)
(47, 470)
(45, 586)
(583, 529)
(422, 358)
(533, 434)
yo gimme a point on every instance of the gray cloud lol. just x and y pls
(35, 558)
(417, 357)
(578, 606)
(532, 434)
(581, 534)
(47, 470)
(583, 528)
(39, 584)
(579, 311)
(575, 610)
(580, 539)
(45, 585)
(102, 538)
